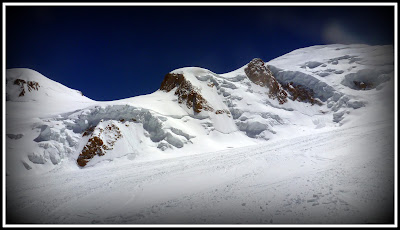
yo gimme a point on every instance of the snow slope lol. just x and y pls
(333, 177)
(210, 148)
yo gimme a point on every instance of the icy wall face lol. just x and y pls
(320, 89)
(366, 79)
(334, 73)
(281, 88)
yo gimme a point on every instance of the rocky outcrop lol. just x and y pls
(261, 75)
(95, 146)
(363, 85)
(186, 92)
(88, 131)
(222, 111)
(301, 93)
(100, 141)
(257, 72)
(31, 85)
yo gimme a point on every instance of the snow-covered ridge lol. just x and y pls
(195, 110)
(21, 84)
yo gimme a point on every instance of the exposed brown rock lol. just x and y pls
(22, 93)
(96, 146)
(261, 75)
(19, 82)
(276, 91)
(32, 85)
(257, 72)
(171, 80)
(301, 93)
(88, 131)
(186, 92)
(363, 85)
(93, 147)
(222, 111)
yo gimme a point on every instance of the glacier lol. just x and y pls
(307, 137)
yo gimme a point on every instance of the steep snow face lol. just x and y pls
(50, 126)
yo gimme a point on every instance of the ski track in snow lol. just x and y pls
(340, 176)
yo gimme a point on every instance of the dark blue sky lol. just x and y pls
(116, 52)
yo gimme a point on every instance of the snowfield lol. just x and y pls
(306, 138)
(334, 177)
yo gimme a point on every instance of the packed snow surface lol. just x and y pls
(341, 176)
(244, 158)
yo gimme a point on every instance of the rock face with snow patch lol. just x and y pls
(30, 85)
(186, 92)
(261, 75)
(101, 139)
(300, 93)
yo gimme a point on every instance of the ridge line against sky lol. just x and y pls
(112, 53)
